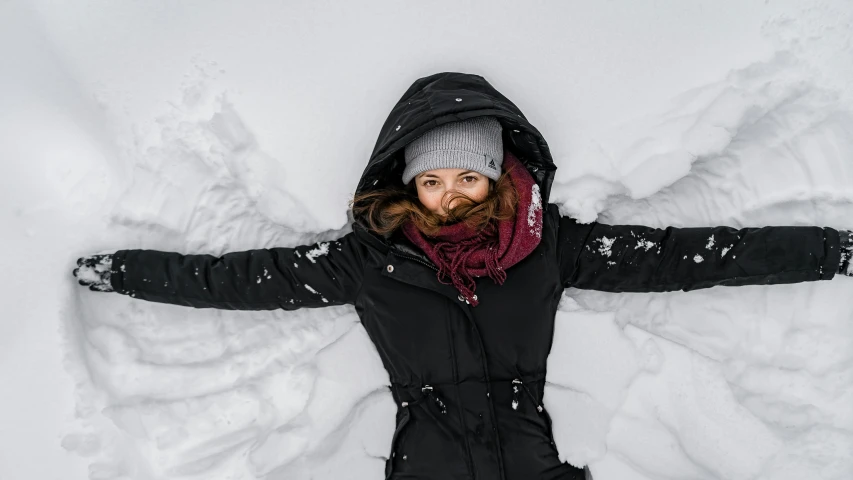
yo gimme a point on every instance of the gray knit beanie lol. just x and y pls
(475, 144)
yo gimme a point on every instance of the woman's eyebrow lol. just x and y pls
(466, 172)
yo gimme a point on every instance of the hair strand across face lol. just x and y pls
(388, 209)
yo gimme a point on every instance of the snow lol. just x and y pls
(322, 249)
(315, 292)
(214, 127)
(645, 245)
(605, 245)
(534, 222)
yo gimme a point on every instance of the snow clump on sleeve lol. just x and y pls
(606, 246)
(322, 249)
(315, 292)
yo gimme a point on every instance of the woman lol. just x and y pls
(456, 190)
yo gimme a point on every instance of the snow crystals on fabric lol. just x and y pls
(265, 274)
(698, 258)
(645, 244)
(322, 249)
(710, 242)
(315, 292)
(533, 220)
(606, 245)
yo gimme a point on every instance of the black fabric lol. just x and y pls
(452, 368)
(846, 252)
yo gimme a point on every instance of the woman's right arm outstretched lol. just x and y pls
(319, 275)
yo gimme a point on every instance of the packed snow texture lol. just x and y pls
(215, 127)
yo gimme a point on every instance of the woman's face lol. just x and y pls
(433, 185)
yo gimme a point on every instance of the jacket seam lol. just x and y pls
(469, 461)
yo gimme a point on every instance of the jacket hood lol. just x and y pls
(449, 97)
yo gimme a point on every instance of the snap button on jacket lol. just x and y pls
(469, 381)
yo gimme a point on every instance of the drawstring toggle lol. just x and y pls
(515, 383)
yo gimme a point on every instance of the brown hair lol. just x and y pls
(387, 209)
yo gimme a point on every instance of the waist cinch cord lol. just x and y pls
(428, 391)
(517, 385)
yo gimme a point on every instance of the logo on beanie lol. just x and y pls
(492, 165)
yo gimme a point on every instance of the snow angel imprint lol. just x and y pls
(455, 265)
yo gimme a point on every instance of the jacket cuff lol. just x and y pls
(117, 271)
(845, 250)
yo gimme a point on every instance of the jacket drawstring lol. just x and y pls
(428, 392)
(516, 383)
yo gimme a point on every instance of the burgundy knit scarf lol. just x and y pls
(462, 253)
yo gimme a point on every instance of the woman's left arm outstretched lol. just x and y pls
(633, 258)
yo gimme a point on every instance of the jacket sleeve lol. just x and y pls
(633, 258)
(319, 275)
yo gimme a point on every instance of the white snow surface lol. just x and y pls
(207, 127)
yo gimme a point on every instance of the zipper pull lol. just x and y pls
(515, 384)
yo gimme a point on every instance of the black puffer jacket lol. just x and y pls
(469, 381)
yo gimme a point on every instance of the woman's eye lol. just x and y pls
(469, 179)
(430, 183)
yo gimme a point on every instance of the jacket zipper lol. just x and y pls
(432, 267)
(469, 459)
(415, 259)
(484, 363)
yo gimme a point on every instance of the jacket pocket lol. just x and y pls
(405, 416)
(520, 385)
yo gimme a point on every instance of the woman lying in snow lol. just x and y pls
(456, 190)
